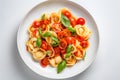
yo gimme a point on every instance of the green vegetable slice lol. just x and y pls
(65, 21)
(40, 31)
(43, 17)
(61, 66)
(69, 48)
(46, 34)
(38, 42)
(71, 29)
(68, 55)
(55, 41)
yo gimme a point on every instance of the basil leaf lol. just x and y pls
(71, 29)
(40, 31)
(61, 66)
(69, 48)
(43, 17)
(46, 34)
(38, 42)
(65, 21)
(55, 44)
(84, 56)
(55, 39)
(68, 55)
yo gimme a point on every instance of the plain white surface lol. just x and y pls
(107, 63)
(48, 7)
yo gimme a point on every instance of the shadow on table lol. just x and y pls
(28, 74)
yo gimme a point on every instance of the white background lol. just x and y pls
(107, 63)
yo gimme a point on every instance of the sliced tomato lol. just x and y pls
(78, 54)
(57, 51)
(57, 27)
(84, 44)
(71, 40)
(72, 21)
(63, 52)
(63, 44)
(81, 21)
(36, 24)
(46, 22)
(67, 13)
(35, 32)
(44, 62)
(63, 34)
(44, 45)
(80, 38)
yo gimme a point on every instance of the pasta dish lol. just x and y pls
(59, 39)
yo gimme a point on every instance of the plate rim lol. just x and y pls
(86, 67)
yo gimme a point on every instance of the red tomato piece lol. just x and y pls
(72, 21)
(35, 32)
(36, 24)
(71, 40)
(79, 54)
(63, 44)
(81, 21)
(63, 34)
(44, 62)
(84, 44)
(79, 38)
(67, 14)
(63, 52)
(44, 45)
(57, 27)
(57, 51)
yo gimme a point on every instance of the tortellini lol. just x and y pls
(83, 31)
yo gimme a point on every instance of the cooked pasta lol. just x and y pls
(58, 39)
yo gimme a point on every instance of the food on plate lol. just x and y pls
(58, 39)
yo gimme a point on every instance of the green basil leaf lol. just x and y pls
(84, 56)
(71, 29)
(43, 17)
(46, 34)
(55, 44)
(69, 48)
(55, 39)
(68, 55)
(40, 31)
(65, 21)
(38, 42)
(61, 66)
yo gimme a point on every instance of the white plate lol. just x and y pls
(48, 7)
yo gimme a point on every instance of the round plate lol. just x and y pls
(48, 7)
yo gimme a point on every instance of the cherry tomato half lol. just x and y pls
(84, 44)
(79, 38)
(57, 51)
(36, 24)
(35, 32)
(81, 21)
(79, 54)
(63, 44)
(44, 45)
(67, 14)
(72, 21)
(44, 62)
(71, 40)
(63, 52)
(57, 27)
